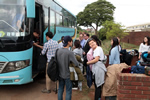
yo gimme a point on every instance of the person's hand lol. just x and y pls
(87, 63)
(139, 57)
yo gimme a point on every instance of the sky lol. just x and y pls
(127, 12)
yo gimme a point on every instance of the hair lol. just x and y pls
(49, 34)
(148, 42)
(62, 38)
(91, 39)
(96, 40)
(115, 43)
(37, 31)
(77, 44)
(87, 34)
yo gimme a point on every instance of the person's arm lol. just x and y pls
(112, 56)
(73, 59)
(45, 47)
(140, 51)
(96, 59)
(35, 44)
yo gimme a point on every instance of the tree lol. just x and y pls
(95, 14)
(111, 29)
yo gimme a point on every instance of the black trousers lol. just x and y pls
(98, 91)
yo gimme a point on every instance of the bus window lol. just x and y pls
(46, 18)
(52, 21)
(66, 22)
(58, 20)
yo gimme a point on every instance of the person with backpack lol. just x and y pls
(64, 57)
(49, 49)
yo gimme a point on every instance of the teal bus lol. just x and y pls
(18, 20)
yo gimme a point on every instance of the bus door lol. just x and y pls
(38, 26)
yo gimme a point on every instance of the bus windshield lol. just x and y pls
(13, 22)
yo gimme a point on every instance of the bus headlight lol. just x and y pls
(16, 65)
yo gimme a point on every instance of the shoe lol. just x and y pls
(54, 90)
(46, 91)
(74, 88)
(80, 89)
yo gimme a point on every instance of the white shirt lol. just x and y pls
(98, 52)
(144, 48)
(60, 45)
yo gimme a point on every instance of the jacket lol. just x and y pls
(90, 57)
(110, 85)
(75, 72)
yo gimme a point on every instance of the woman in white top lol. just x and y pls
(98, 68)
(145, 46)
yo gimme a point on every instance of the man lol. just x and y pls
(64, 57)
(50, 47)
(81, 38)
(86, 48)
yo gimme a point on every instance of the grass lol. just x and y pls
(106, 46)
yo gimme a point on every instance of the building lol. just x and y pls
(139, 28)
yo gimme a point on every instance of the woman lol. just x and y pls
(98, 68)
(114, 55)
(96, 39)
(145, 46)
(78, 51)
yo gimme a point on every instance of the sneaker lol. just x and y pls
(54, 90)
(74, 88)
(46, 91)
(80, 89)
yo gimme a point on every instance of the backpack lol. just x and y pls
(52, 70)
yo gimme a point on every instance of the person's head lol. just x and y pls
(81, 36)
(146, 40)
(92, 43)
(118, 40)
(67, 41)
(114, 42)
(49, 35)
(62, 39)
(96, 39)
(86, 36)
(36, 33)
(77, 44)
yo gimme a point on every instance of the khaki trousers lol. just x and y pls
(48, 80)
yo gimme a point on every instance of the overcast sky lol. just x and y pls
(127, 12)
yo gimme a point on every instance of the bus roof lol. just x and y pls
(63, 7)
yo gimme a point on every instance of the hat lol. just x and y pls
(66, 40)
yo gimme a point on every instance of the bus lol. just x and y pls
(18, 20)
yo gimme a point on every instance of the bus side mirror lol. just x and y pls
(30, 8)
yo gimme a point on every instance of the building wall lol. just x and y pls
(135, 38)
(133, 86)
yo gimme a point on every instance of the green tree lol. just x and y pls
(111, 29)
(95, 14)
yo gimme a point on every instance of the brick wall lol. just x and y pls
(133, 87)
(135, 37)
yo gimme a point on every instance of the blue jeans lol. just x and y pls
(62, 83)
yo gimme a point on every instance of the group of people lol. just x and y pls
(82, 47)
